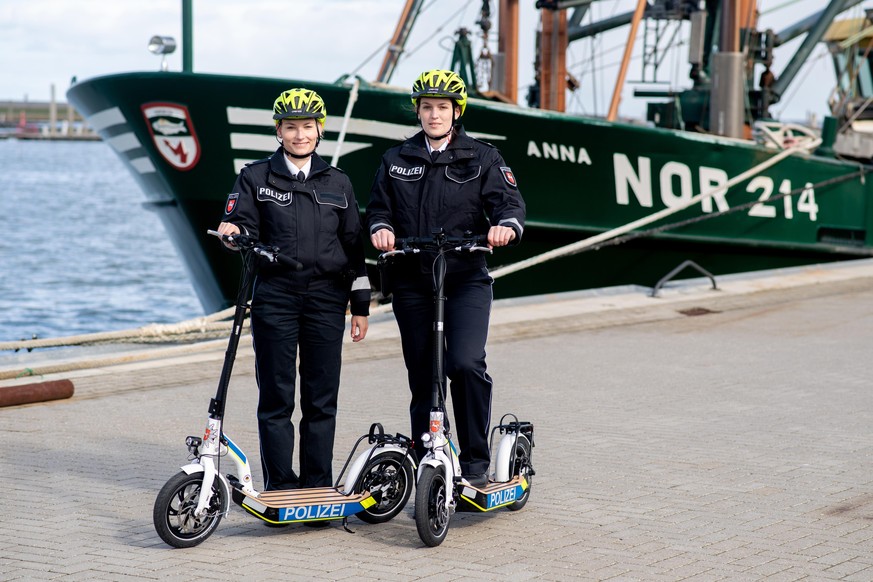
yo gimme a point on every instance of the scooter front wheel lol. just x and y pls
(431, 508)
(388, 478)
(174, 509)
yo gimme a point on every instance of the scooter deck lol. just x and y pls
(493, 495)
(298, 505)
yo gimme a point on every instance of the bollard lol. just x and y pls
(38, 392)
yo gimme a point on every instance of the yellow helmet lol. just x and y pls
(299, 104)
(440, 83)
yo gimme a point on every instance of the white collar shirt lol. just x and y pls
(295, 170)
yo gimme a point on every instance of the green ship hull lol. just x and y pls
(184, 137)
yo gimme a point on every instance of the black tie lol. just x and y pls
(434, 155)
(301, 177)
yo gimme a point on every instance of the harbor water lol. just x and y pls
(80, 252)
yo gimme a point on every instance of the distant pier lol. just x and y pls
(39, 120)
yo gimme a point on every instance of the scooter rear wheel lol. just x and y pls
(388, 477)
(431, 511)
(174, 516)
(521, 465)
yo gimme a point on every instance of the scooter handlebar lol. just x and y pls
(248, 243)
(414, 244)
(441, 241)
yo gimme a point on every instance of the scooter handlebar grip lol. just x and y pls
(289, 262)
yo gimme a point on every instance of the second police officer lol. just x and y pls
(443, 179)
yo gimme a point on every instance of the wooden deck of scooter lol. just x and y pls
(297, 505)
(493, 495)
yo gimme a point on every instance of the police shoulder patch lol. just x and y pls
(508, 176)
(230, 206)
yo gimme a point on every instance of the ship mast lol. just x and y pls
(398, 41)
(553, 58)
(628, 49)
(507, 47)
(727, 105)
(187, 36)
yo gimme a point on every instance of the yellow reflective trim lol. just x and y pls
(473, 503)
(258, 515)
(480, 508)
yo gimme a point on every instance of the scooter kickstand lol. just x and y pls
(346, 525)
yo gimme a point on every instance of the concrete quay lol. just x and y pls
(700, 435)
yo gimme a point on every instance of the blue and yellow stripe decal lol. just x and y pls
(235, 450)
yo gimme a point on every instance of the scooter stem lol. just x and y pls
(439, 334)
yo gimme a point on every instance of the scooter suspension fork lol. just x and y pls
(209, 451)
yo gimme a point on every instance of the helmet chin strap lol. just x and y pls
(443, 136)
(297, 156)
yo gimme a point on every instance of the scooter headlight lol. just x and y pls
(426, 440)
(193, 443)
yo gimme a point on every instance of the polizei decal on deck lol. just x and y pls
(494, 499)
(323, 511)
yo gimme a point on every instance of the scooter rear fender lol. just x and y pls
(358, 466)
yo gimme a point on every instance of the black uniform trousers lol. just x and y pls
(282, 320)
(467, 313)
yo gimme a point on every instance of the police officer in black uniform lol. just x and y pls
(441, 178)
(294, 200)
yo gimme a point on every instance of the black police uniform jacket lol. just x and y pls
(317, 222)
(467, 188)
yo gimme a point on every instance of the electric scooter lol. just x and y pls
(440, 488)
(191, 504)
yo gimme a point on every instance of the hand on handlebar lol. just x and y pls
(248, 244)
(228, 229)
(500, 236)
(383, 239)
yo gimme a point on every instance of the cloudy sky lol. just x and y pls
(45, 42)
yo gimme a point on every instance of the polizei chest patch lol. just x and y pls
(275, 196)
(407, 174)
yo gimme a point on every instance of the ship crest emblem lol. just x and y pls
(173, 134)
(508, 176)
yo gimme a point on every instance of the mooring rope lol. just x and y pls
(353, 97)
(37, 370)
(190, 330)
